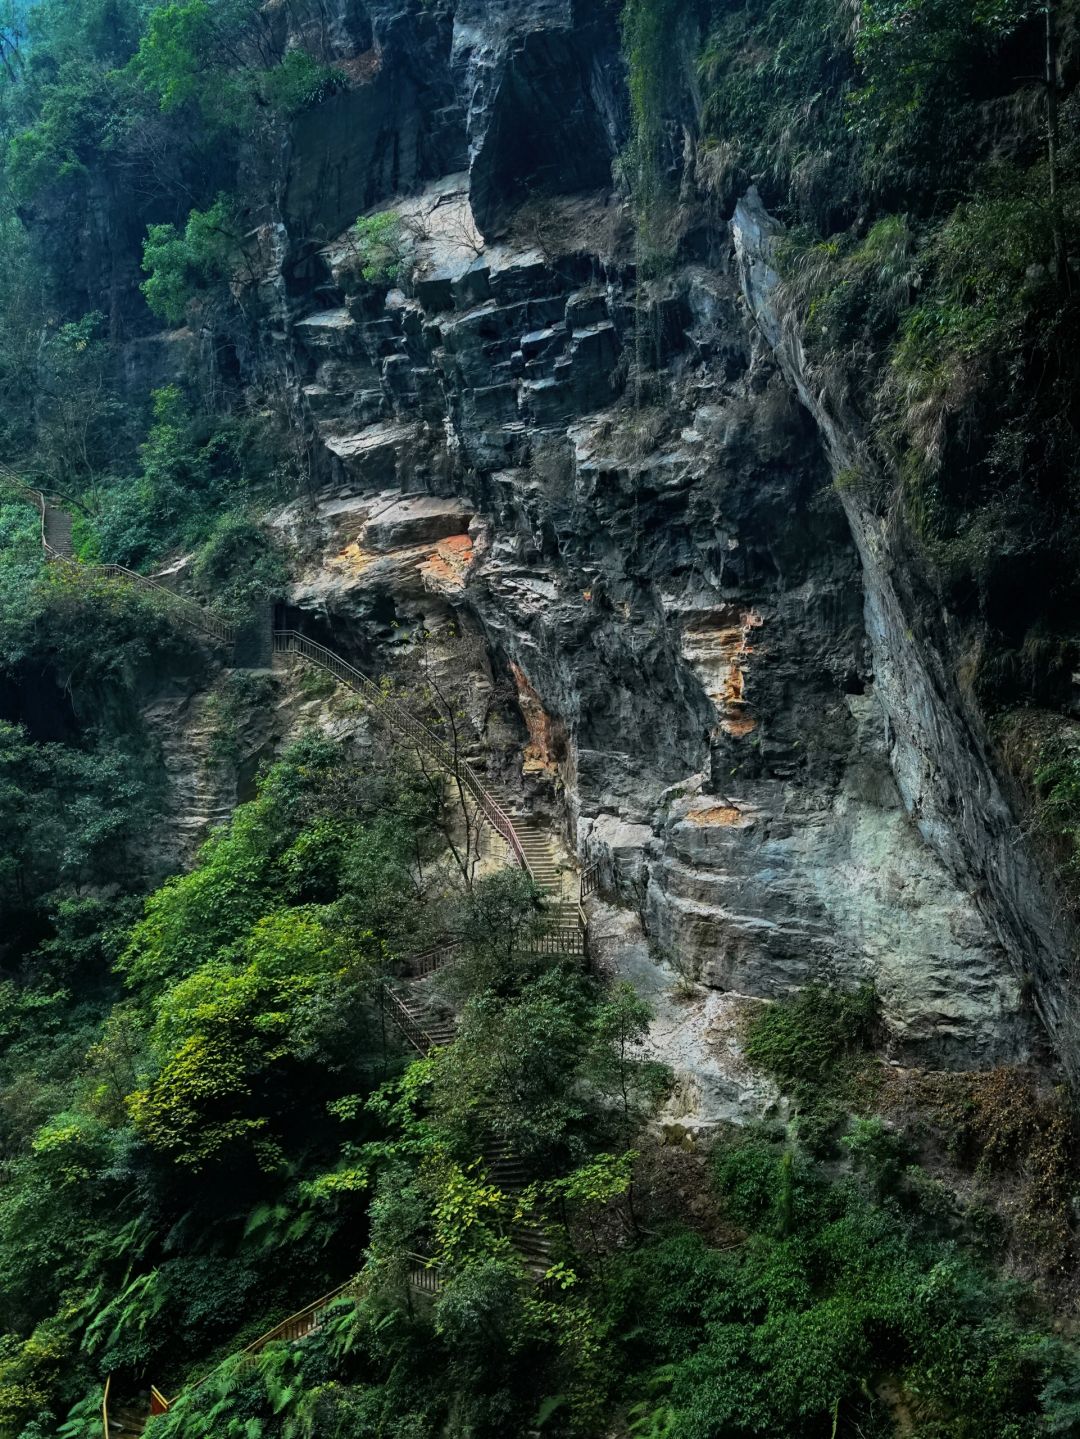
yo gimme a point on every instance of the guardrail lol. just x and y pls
(590, 880)
(297, 1326)
(561, 939)
(425, 1274)
(410, 1027)
(188, 610)
(396, 715)
(417, 966)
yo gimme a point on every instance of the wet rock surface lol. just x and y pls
(609, 487)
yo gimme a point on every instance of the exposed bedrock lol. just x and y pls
(616, 491)
(938, 747)
(675, 640)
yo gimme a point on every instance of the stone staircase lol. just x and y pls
(529, 1235)
(127, 1415)
(553, 878)
(56, 530)
(413, 1008)
(424, 1023)
(131, 1419)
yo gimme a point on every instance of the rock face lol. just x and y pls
(608, 487)
(937, 744)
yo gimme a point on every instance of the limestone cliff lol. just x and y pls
(617, 489)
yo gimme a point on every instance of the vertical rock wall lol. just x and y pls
(610, 484)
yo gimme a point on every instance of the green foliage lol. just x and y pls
(192, 264)
(647, 27)
(380, 247)
(807, 1042)
(191, 1153)
(178, 49)
(67, 134)
(244, 869)
(240, 567)
(916, 61)
(48, 846)
(792, 1331)
(95, 638)
(79, 423)
(299, 83)
(199, 477)
(1057, 784)
(233, 1035)
(776, 75)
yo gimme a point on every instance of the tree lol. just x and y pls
(192, 264)
(232, 1038)
(79, 417)
(438, 692)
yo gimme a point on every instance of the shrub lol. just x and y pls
(380, 247)
(300, 83)
(807, 1042)
(190, 264)
(240, 567)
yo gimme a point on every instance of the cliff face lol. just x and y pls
(937, 740)
(611, 484)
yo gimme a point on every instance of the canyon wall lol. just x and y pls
(616, 488)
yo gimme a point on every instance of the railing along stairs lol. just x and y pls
(528, 1235)
(528, 844)
(397, 717)
(121, 1418)
(56, 544)
(531, 851)
(131, 1418)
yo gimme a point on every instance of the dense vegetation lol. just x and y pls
(925, 159)
(206, 1117)
(112, 108)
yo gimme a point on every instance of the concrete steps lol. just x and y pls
(127, 1421)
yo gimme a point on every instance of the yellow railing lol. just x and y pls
(105, 1407)
(296, 1326)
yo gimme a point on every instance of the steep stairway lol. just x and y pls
(127, 1421)
(124, 1416)
(56, 531)
(423, 1024)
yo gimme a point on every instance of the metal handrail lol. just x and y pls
(590, 879)
(105, 1406)
(194, 614)
(392, 713)
(427, 962)
(425, 1274)
(410, 1026)
(396, 715)
(278, 1331)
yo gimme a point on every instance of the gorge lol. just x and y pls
(631, 973)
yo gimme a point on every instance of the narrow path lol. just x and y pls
(531, 846)
(419, 1020)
